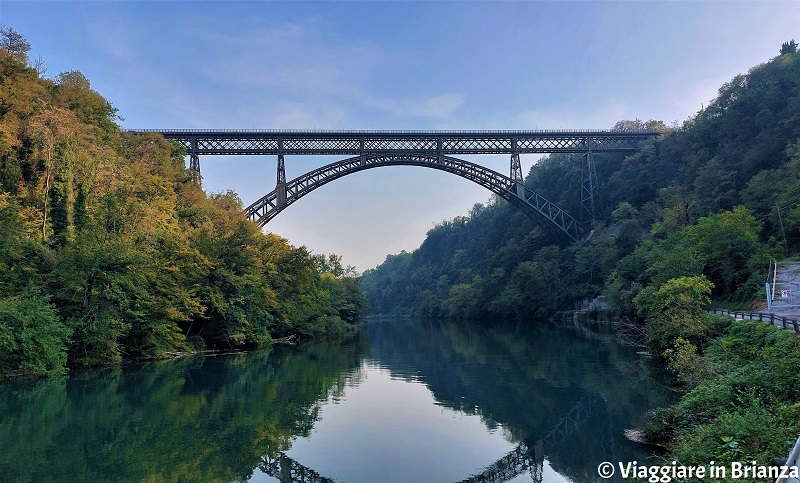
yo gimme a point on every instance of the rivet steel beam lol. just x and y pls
(350, 143)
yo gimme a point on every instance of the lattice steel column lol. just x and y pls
(194, 164)
(516, 169)
(280, 187)
(590, 193)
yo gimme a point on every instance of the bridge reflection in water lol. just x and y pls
(525, 458)
(286, 470)
(546, 386)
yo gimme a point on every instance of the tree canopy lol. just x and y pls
(110, 252)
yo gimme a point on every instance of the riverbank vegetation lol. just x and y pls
(691, 219)
(110, 252)
(741, 401)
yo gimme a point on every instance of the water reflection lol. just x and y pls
(566, 391)
(194, 419)
(526, 401)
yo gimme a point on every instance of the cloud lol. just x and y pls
(293, 75)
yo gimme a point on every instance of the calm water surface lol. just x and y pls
(408, 400)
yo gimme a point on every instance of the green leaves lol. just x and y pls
(789, 48)
(138, 260)
(674, 311)
(32, 338)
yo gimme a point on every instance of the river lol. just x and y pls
(406, 400)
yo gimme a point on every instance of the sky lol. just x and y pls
(384, 65)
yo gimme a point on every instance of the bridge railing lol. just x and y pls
(397, 131)
(777, 320)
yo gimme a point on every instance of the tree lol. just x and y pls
(74, 79)
(674, 310)
(14, 43)
(50, 130)
(789, 48)
(32, 338)
(333, 264)
(58, 214)
(726, 243)
(80, 209)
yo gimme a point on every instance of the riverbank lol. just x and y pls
(740, 398)
(737, 378)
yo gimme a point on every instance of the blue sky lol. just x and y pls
(395, 65)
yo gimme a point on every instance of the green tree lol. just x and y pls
(14, 43)
(32, 338)
(58, 214)
(789, 48)
(674, 310)
(80, 216)
(726, 243)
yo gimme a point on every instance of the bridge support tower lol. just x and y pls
(516, 169)
(590, 192)
(194, 164)
(280, 187)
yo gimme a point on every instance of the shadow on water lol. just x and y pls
(559, 393)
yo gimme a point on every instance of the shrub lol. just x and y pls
(32, 338)
(674, 310)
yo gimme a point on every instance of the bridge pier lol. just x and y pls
(590, 191)
(280, 187)
(516, 169)
(194, 164)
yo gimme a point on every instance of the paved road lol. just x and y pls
(787, 290)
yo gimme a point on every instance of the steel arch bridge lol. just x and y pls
(266, 208)
(431, 149)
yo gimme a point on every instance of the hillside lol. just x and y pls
(109, 251)
(716, 196)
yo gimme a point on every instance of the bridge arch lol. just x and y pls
(529, 201)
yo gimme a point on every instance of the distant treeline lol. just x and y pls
(718, 195)
(109, 251)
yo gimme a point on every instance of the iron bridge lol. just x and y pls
(431, 149)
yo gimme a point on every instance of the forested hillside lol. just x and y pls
(109, 252)
(717, 196)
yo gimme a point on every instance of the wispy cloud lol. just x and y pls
(291, 75)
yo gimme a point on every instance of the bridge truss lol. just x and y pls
(418, 148)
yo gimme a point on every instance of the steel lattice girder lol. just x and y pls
(236, 142)
(531, 202)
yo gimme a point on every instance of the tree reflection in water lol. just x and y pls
(561, 395)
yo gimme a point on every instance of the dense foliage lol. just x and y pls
(743, 402)
(108, 250)
(717, 196)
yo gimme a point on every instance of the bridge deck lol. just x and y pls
(299, 142)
